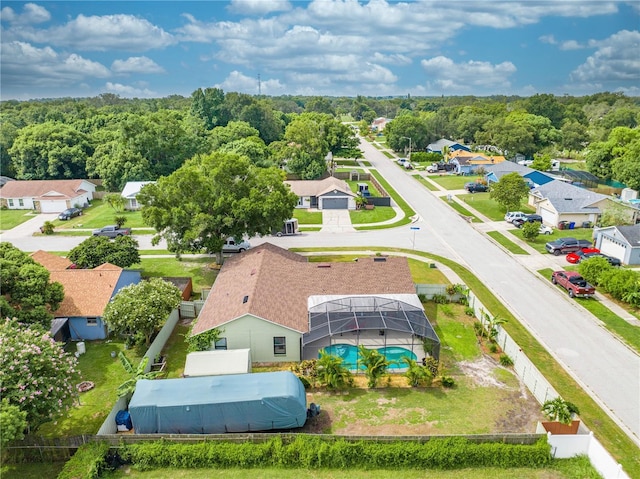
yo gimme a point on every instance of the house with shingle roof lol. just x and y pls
(467, 162)
(329, 193)
(284, 308)
(130, 194)
(558, 201)
(86, 293)
(437, 146)
(533, 177)
(622, 242)
(46, 196)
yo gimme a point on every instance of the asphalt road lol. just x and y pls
(604, 366)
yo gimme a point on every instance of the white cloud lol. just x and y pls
(128, 91)
(472, 76)
(617, 59)
(571, 45)
(136, 65)
(31, 14)
(550, 39)
(24, 65)
(239, 82)
(102, 33)
(258, 7)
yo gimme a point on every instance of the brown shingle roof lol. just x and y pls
(319, 187)
(86, 291)
(277, 284)
(51, 261)
(37, 188)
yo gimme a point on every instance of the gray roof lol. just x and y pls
(501, 169)
(631, 234)
(438, 145)
(567, 198)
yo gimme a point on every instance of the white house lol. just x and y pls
(46, 196)
(558, 201)
(328, 194)
(130, 192)
(622, 242)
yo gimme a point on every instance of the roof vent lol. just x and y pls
(245, 299)
(253, 271)
(324, 266)
(379, 260)
(568, 199)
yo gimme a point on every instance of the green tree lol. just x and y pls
(212, 198)
(265, 119)
(560, 410)
(408, 126)
(27, 293)
(208, 105)
(332, 373)
(13, 422)
(140, 310)
(37, 375)
(320, 104)
(626, 166)
(509, 191)
(541, 162)
(615, 214)
(136, 373)
(50, 150)
(115, 200)
(417, 374)
(530, 231)
(548, 106)
(232, 131)
(376, 365)
(203, 341)
(574, 135)
(97, 250)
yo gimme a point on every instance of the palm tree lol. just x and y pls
(332, 373)
(560, 410)
(416, 374)
(376, 365)
(136, 373)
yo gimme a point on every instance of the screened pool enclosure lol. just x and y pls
(380, 321)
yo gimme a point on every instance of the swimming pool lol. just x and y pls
(351, 355)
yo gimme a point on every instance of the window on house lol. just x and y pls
(221, 343)
(21, 202)
(10, 202)
(279, 345)
(92, 321)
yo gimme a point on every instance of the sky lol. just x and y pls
(151, 49)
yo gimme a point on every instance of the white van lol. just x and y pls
(514, 215)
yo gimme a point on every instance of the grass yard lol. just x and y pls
(453, 182)
(100, 214)
(372, 189)
(627, 332)
(539, 242)
(342, 162)
(11, 218)
(430, 186)
(506, 242)
(485, 205)
(176, 350)
(422, 274)
(408, 211)
(389, 155)
(107, 374)
(376, 215)
(201, 270)
(462, 210)
(306, 217)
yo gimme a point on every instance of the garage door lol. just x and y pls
(548, 217)
(335, 203)
(612, 248)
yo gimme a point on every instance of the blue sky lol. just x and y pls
(322, 47)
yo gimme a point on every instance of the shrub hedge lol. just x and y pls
(316, 453)
(87, 463)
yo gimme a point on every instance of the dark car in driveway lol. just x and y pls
(527, 219)
(473, 187)
(70, 213)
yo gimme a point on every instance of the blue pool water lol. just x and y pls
(350, 355)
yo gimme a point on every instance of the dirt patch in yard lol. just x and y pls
(481, 372)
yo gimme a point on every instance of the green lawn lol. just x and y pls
(430, 186)
(342, 163)
(453, 182)
(627, 332)
(176, 351)
(107, 374)
(305, 217)
(487, 206)
(200, 270)
(388, 154)
(506, 242)
(100, 214)
(461, 209)
(426, 275)
(408, 211)
(539, 242)
(12, 218)
(376, 215)
(575, 468)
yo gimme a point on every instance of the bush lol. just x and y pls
(87, 463)
(506, 361)
(530, 231)
(120, 220)
(469, 311)
(309, 452)
(493, 348)
(440, 298)
(47, 228)
(447, 381)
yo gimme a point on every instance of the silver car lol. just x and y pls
(231, 246)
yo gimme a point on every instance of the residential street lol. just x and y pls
(599, 362)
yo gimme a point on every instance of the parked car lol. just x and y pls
(402, 161)
(566, 245)
(527, 219)
(545, 230)
(473, 187)
(575, 284)
(512, 215)
(408, 165)
(231, 246)
(112, 231)
(70, 213)
(576, 256)
(612, 261)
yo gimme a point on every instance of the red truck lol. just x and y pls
(575, 284)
